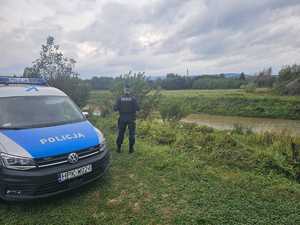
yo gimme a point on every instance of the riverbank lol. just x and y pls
(262, 103)
(237, 103)
(259, 125)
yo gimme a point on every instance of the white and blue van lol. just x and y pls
(47, 146)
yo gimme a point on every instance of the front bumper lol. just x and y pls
(43, 182)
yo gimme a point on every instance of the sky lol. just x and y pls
(112, 37)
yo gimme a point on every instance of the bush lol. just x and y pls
(289, 73)
(239, 129)
(173, 110)
(289, 80)
(192, 127)
(273, 161)
(158, 132)
(249, 88)
(293, 87)
(233, 157)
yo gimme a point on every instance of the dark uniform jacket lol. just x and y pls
(127, 106)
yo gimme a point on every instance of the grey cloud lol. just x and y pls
(108, 37)
(233, 30)
(113, 28)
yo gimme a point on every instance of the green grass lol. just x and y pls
(259, 93)
(237, 103)
(201, 177)
(263, 103)
(182, 174)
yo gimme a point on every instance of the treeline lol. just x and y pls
(102, 83)
(286, 83)
(177, 82)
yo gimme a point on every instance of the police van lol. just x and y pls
(47, 146)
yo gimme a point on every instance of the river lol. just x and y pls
(256, 124)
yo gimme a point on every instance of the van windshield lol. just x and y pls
(37, 111)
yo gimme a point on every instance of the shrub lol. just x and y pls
(289, 80)
(293, 87)
(173, 110)
(192, 127)
(158, 132)
(233, 157)
(289, 73)
(273, 161)
(239, 129)
(249, 88)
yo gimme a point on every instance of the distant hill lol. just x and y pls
(227, 75)
(232, 75)
(157, 77)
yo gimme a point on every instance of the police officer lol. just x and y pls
(127, 107)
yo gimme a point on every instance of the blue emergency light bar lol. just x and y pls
(23, 80)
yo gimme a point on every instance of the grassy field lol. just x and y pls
(259, 93)
(237, 103)
(262, 103)
(180, 174)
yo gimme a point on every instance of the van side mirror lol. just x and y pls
(86, 114)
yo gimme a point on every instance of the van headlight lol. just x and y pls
(100, 136)
(16, 162)
(102, 147)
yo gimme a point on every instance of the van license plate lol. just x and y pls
(75, 173)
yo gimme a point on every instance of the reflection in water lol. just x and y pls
(256, 124)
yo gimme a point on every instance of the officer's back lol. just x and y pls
(127, 107)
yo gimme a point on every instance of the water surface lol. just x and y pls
(256, 124)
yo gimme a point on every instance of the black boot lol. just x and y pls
(118, 148)
(131, 149)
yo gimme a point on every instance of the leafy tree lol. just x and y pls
(289, 80)
(30, 72)
(293, 87)
(147, 96)
(59, 72)
(289, 73)
(242, 76)
(264, 78)
(173, 110)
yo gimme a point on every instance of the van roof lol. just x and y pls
(29, 90)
